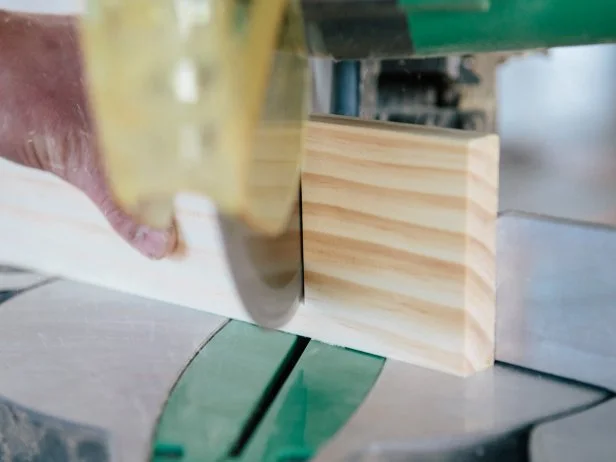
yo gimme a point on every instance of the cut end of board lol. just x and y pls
(399, 241)
(480, 286)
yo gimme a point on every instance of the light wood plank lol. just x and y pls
(399, 230)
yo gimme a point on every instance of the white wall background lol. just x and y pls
(43, 6)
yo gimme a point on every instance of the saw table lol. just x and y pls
(88, 374)
(95, 375)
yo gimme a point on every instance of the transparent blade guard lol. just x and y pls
(205, 96)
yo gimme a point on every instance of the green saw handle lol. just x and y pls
(354, 29)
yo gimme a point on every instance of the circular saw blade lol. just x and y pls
(264, 246)
(209, 96)
(272, 169)
(267, 271)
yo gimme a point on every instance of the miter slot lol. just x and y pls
(272, 391)
(253, 394)
(301, 238)
(15, 282)
(222, 395)
(7, 294)
(322, 392)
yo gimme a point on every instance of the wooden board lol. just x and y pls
(399, 231)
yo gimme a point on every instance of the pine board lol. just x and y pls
(399, 243)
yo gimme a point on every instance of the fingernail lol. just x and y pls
(155, 244)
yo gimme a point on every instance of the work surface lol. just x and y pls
(107, 361)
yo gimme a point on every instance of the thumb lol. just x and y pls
(151, 242)
(75, 159)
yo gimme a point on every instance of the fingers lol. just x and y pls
(45, 120)
(153, 243)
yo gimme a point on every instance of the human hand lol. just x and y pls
(45, 121)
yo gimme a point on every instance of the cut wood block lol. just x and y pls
(399, 243)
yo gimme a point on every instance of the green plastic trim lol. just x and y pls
(444, 5)
(512, 25)
(319, 396)
(218, 393)
(217, 397)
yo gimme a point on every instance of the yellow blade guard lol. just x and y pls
(203, 96)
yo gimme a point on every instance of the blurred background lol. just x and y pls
(555, 111)
(557, 120)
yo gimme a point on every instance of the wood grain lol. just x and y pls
(399, 231)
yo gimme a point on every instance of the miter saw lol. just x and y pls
(181, 92)
(212, 96)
